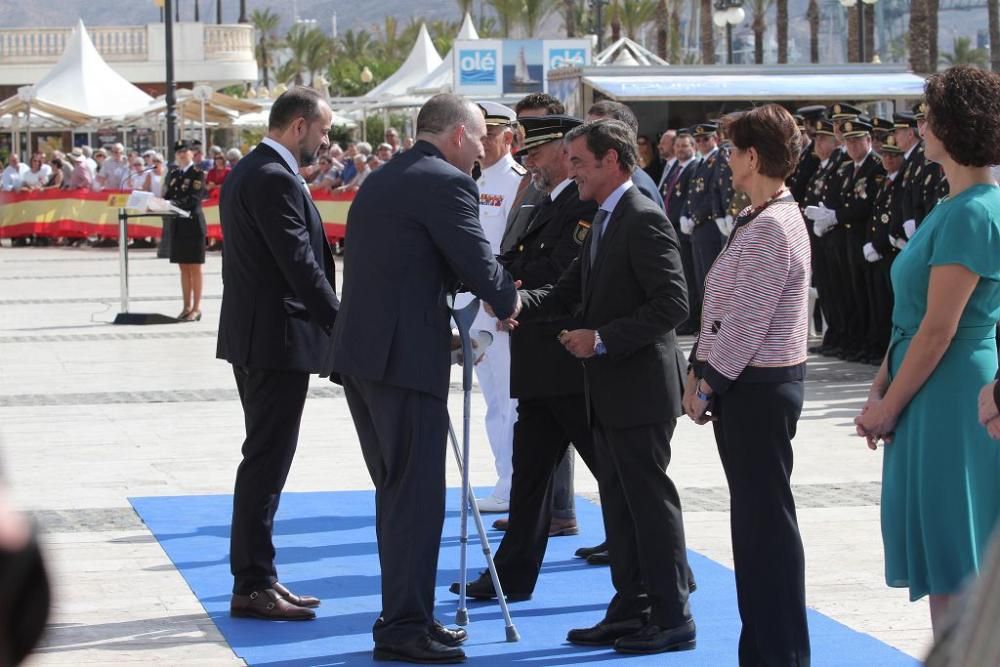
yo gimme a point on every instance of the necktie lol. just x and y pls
(671, 180)
(596, 231)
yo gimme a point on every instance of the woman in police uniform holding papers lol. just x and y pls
(185, 188)
(748, 370)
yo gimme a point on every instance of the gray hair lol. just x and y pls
(233, 154)
(606, 135)
(445, 111)
(364, 147)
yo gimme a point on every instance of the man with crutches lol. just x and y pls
(413, 235)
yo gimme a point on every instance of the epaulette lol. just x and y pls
(518, 169)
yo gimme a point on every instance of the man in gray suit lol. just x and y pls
(413, 235)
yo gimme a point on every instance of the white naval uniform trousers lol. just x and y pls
(497, 188)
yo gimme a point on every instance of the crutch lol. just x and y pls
(463, 319)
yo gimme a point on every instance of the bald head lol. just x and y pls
(456, 127)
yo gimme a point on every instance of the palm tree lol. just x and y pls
(635, 14)
(933, 7)
(994, 22)
(615, 19)
(309, 47)
(662, 28)
(813, 16)
(571, 17)
(962, 53)
(919, 49)
(781, 18)
(707, 33)
(265, 22)
(508, 12)
(853, 54)
(533, 13)
(675, 32)
(759, 8)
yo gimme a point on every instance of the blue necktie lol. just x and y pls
(596, 231)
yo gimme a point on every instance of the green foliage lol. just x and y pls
(963, 54)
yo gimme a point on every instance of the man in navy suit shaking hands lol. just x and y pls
(413, 236)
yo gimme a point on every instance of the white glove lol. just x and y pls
(871, 254)
(687, 225)
(721, 224)
(480, 341)
(910, 226)
(819, 229)
(897, 243)
(813, 212)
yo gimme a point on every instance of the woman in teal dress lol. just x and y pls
(941, 471)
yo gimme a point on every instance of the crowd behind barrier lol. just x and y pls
(79, 214)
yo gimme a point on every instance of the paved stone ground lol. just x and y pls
(91, 414)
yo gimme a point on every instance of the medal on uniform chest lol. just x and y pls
(884, 218)
(859, 189)
(699, 184)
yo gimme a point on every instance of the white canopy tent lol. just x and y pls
(423, 60)
(442, 79)
(626, 52)
(82, 82)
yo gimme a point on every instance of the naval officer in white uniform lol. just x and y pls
(499, 179)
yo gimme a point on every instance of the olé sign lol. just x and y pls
(477, 67)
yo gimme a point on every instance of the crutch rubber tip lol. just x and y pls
(462, 618)
(512, 635)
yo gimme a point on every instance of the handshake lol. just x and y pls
(824, 218)
(510, 323)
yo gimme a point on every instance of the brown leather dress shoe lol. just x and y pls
(307, 601)
(269, 605)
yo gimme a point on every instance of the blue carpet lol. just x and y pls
(326, 547)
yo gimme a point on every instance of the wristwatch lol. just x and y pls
(599, 346)
(702, 396)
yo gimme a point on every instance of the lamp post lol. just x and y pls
(847, 4)
(203, 94)
(171, 98)
(727, 14)
(598, 7)
(366, 78)
(243, 12)
(27, 95)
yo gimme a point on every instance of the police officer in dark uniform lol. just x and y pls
(185, 188)
(808, 161)
(709, 196)
(921, 178)
(675, 193)
(881, 128)
(845, 215)
(879, 253)
(546, 380)
(824, 146)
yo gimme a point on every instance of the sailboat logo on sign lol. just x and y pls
(477, 67)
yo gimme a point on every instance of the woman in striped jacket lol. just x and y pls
(747, 374)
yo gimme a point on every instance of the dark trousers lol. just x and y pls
(834, 287)
(563, 489)
(272, 410)
(880, 305)
(643, 522)
(857, 289)
(544, 430)
(757, 422)
(706, 244)
(403, 436)
(695, 288)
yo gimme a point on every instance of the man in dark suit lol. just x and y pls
(627, 290)
(278, 309)
(413, 234)
(547, 382)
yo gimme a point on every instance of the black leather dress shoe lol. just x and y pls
(584, 552)
(654, 639)
(482, 589)
(600, 558)
(447, 636)
(422, 651)
(437, 631)
(605, 634)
